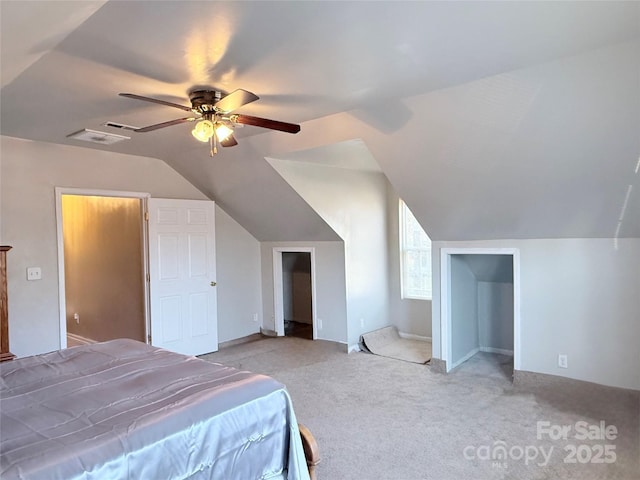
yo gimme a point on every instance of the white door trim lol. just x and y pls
(59, 191)
(278, 292)
(445, 298)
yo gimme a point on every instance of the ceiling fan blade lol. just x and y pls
(235, 100)
(155, 100)
(266, 123)
(157, 126)
(230, 141)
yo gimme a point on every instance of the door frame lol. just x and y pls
(445, 298)
(278, 290)
(144, 197)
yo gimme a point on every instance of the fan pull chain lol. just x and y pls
(213, 145)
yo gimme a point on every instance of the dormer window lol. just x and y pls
(415, 257)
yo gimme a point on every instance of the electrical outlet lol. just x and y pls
(34, 273)
(76, 317)
(362, 323)
(562, 361)
(319, 324)
(255, 317)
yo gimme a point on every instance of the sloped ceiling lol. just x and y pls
(491, 119)
(490, 268)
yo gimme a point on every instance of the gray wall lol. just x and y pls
(495, 316)
(464, 309)
(238, 271)
(354, 204)
(578, 297)
(342, 183)
(407, 314)
(330, 280)
(30, 172)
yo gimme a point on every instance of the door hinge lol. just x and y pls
(146, 216)
(149, 339)
(148, 277)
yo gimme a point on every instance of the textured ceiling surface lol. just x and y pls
(491, 119)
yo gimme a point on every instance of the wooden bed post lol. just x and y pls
(311, 452)
(5, 354)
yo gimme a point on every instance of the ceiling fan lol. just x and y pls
(213, 114)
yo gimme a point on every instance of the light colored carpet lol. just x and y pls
(386, 342)
(380, 419)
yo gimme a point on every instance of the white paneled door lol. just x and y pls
(182, 267)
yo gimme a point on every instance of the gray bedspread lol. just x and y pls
(125, 410)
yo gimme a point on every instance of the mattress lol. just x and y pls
(123, 409)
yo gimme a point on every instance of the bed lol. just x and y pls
(123, 409)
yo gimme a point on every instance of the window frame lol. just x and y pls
(403, 211)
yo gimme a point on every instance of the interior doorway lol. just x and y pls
(480, 309)
(102, 266)
(294, 292)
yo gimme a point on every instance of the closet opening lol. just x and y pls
(480, 310)
(296, 289)
(294, 292)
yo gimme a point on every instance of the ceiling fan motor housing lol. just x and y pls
(203, 101)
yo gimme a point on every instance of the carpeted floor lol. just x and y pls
(384, 419)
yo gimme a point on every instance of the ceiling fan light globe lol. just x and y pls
(222, 131)
(203, 130)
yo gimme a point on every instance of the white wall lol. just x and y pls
(31, 170)
(238, 272)
(330, 287)
(354, 204)
(579, 297)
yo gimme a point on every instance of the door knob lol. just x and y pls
(213, 284)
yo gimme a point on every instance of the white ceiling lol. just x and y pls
(491, 119)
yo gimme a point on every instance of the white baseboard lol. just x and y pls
(267, 332)
(501, 351)
(412, 336)
(239, 341)
(353, 348)
(465, 358)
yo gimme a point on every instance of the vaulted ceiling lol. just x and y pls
(491, 119)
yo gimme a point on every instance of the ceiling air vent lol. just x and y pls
(121, 126)
(95, 136)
